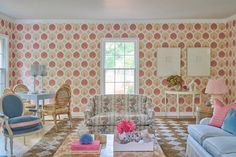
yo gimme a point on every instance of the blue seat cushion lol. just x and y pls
(201, 132)
(24, 124)
(217, 146)
(24, 131)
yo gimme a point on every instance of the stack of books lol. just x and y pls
(92, 149)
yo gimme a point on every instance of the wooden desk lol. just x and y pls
(178, 93)
(37, 96)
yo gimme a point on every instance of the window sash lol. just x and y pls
(2, 76)
(104, 68)
(4, 63)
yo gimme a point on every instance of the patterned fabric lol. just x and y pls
(110, 118)
(23, 122)
(172, 136)
(219, 113)
(108, 109)
(51, 141)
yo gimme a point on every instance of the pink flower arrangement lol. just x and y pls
(125, 126)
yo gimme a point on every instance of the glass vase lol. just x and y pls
(178, 87)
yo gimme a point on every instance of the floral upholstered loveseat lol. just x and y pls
(107, 110)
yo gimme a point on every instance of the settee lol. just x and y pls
(107, 110)
(209, 141)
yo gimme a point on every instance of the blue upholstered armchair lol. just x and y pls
(14, 123)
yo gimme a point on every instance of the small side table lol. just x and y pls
(203, 112)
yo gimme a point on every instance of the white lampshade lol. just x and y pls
(34, 69)
(42, 70)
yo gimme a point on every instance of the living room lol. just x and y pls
(73, 68)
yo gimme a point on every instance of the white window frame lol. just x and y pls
(6, 56)
(136, 59)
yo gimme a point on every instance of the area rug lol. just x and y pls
(52, 140)
(172, 136)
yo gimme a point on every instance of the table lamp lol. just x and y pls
(217, 88)
(34, 70)
(42, 73)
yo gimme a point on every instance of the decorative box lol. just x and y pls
(86, 150)
(76, 145)
(134, 141)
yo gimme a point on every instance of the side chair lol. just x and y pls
(7, 91)
(14, 123)
(61, 105)
(29, 107)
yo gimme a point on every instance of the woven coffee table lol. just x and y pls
(107, 149)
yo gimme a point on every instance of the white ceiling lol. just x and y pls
(118, 9)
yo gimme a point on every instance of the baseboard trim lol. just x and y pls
(77, 115)
(172, 114)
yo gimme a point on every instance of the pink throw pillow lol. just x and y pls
(220, 112)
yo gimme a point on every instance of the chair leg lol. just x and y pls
(70, 119)
(11, 145)
(24, 141)
(6, 143)
(55, 120)
(43, 117)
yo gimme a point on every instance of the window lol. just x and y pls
(119, 66)
(3, 63)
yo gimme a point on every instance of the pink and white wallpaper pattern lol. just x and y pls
(231, 61)
(72, 53)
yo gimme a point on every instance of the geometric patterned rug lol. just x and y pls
(52, 140)
(172, 136)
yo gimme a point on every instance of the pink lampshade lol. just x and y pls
(216, 87)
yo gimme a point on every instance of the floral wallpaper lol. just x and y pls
(72, 53)
(231, 61)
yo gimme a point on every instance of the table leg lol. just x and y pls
(193, 105)
(43, 103)
(178, 105)
(165, 101)
(37, 107)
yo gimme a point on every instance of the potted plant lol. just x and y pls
(175, 81)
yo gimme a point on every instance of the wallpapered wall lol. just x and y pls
(72, 53)
(231, 63)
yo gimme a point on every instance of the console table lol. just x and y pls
(178, 93)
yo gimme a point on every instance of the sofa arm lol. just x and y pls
(89, 111)
(205, 121)
(150, 113)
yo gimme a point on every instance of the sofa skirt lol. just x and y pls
(112, 129)
(194, 149)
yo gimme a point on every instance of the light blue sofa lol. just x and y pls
(208, 141)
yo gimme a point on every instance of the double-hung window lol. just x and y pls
(119, 66)
(3, 63)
